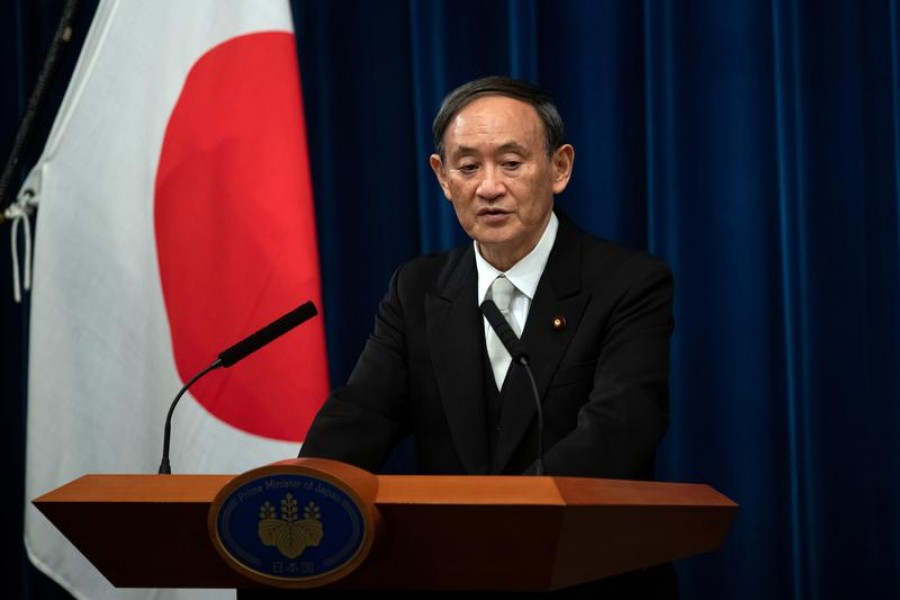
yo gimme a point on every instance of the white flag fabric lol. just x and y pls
(175, 218)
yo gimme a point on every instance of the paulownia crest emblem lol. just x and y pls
(290, 534)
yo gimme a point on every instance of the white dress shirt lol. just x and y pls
(525, 275)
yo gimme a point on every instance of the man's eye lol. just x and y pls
(467, 169)
(512, 165)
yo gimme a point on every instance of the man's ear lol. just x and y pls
(563, 159)
(437, 165)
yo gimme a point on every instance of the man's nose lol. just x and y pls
(491, 185)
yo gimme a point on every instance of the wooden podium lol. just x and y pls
(434, 533)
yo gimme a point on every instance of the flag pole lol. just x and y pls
(62, 37)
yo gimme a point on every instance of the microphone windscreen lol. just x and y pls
(275, 329)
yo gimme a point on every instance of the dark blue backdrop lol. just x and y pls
(754, 145)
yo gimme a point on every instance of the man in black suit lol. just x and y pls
(595, 318)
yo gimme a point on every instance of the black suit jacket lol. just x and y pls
(602, 377)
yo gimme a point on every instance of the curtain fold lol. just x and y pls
(789, 152)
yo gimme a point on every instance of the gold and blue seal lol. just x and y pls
(298, 523)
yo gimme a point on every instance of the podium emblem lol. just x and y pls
(289, 526)
(288, 532)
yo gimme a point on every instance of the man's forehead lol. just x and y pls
(513, 121)
(496, 106)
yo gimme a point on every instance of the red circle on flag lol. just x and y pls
(235, 235)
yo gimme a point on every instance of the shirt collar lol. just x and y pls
(526, 273)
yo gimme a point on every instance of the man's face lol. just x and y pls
(499, 177)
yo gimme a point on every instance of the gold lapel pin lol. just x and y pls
(558, 323)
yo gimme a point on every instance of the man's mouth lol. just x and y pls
(492, 211)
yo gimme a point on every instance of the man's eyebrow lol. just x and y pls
(463, 151)
(513, 147)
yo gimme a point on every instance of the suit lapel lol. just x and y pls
(558, 295)
(454, 329)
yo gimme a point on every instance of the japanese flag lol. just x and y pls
(175, 218)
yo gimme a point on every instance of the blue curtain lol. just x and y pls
(753, 145)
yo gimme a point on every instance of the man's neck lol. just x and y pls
(503, 257)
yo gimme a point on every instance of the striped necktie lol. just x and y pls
(501, 292)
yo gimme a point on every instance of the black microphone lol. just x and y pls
(519, 355)
(275, 329)
(237, 352)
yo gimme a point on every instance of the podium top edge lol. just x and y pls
(412, 489)
(547, 490)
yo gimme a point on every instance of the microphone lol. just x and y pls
(235, 353)
(275, 329)
(519, 355)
